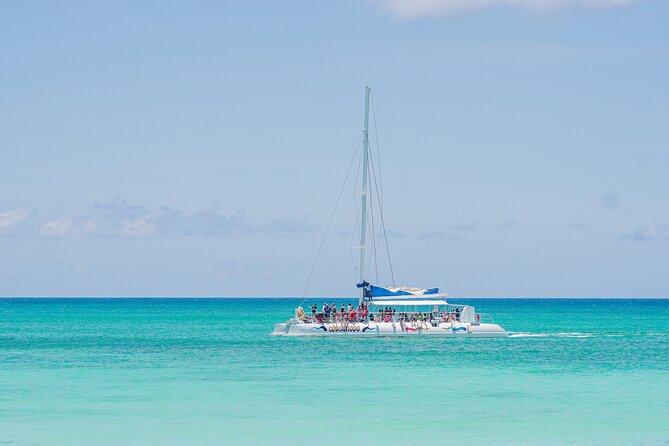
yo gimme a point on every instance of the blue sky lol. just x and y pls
(197, 148)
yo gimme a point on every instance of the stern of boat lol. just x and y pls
(487, 330)
(279, 330)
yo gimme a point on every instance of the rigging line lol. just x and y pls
(399, 166)
(378, 150)
(320, 248)
(383, 225)
(354, 207)
(403, 274)
(373, 237)
(370, 256)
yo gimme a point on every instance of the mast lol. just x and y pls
(363, 194)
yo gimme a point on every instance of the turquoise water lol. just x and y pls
(207, 372)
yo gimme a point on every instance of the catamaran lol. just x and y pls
(389, 311)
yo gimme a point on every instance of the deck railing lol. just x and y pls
(406, 317)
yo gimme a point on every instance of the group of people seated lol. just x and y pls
(444, 316)
(361, 313)
(330, 313)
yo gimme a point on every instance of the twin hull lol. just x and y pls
(291, 328)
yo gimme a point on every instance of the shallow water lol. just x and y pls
(207, 372)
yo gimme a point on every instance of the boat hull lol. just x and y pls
(448, 329)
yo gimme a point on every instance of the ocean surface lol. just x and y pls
(207, 372)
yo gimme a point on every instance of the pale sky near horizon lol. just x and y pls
(197, 148)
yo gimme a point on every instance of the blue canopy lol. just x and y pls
(377, 291)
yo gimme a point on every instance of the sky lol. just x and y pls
(172, 148)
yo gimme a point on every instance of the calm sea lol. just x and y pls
(207, 372)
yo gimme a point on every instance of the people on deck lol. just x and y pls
(361, 313)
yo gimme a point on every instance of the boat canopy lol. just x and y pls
(378, 291)
(392, 303)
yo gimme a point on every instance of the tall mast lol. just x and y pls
(363, 194)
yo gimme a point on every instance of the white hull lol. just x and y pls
(450, 329)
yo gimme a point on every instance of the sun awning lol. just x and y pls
(409, 298)
(379, 291)
(408, 303)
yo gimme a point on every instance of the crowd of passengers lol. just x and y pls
(361, 313)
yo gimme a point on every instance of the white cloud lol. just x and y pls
(653, 231)
(118, 218)
(58, 227)
(67, 226)
(11, 218)
(431, 8)
(139, 227)
(88, 226)
(287, 226)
